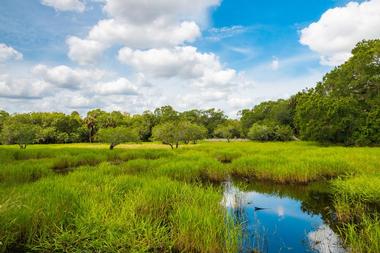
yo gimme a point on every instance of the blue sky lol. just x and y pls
(134, 55)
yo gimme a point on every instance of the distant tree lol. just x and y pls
(247, 119)
(90, 122)
(283, 133)
(259, 132)
(273, 112)
(193, 116)
(174, 132)
(192, 132)
(270, 132)
(3, 117)
(47, 135)
(212, 118)
(168, 133)
(19, 133)
(144, 123)
(116, 136)
(228, 130)
(328, 119)
(166, 114)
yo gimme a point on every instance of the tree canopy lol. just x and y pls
(19, 133)
(344, 107)
(117, 135)
(173, 132)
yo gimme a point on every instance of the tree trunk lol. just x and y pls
(176, 145)
(112, 146)
(228, 139)
(166, 143)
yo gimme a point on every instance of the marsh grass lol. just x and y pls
(148, 198)
(357, 205)
(94, 210)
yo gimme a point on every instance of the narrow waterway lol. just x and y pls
(281, 219)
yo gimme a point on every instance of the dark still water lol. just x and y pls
(281, 220)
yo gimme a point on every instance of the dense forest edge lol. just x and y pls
(344, 108)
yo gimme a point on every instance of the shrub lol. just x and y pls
(260, 132)
(283, 133)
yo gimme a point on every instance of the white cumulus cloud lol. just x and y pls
(23, 88)
(186, 62)
(338, 30)
(84, 51)
(121, 86)
(142, 24)
(157, 34)
(65, 5)
(203, 69)
(65, 77)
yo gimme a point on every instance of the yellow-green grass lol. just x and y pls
(102, 209)
(357, 205)
(149, 198)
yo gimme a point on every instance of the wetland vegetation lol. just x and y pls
(149, 198)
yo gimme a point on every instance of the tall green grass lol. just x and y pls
(94, 210)
(357, 204)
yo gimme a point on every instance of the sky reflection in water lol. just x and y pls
(278, 224)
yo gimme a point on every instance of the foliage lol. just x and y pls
(192, 132)
(344, 107)
(144, 123)
(278, 112)
(3, 117)
(283, 133)
(19, 133)
(117, 135)
(260, 132)
(270, 132)
(327, 119)
(168, 133)
(228, 130)
(98, 119)
(211, 119)
(172, 133)
(166, 114)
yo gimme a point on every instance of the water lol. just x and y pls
(274, 220)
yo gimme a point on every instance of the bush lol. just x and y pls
(283, 133)
(261, 132)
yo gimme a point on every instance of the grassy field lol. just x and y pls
(149, 198)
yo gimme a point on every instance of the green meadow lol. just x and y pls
(150, 198)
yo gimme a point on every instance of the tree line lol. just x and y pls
(344, 108)
(163, 124)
